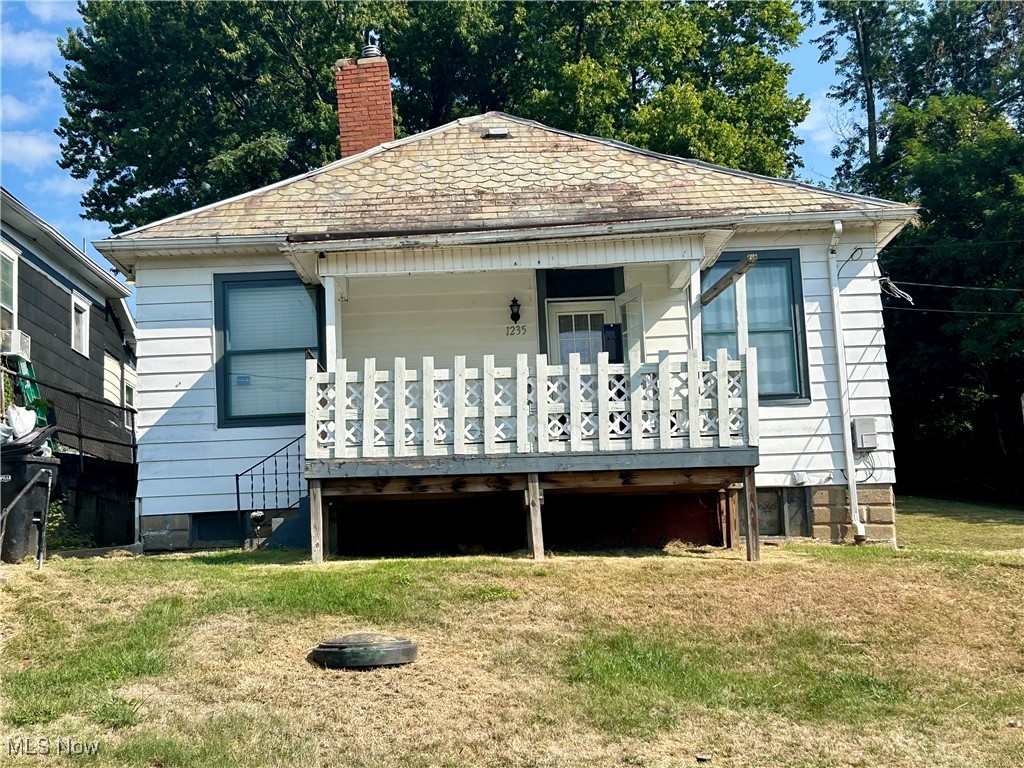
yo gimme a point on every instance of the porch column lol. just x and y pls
(334, 289)
(742, 334)
(696, 333)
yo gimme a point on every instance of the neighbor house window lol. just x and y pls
(129, 402)
(265, 324)
(8, 289)
(775, 321)
(80, 324)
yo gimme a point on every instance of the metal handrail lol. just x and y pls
(276, 473)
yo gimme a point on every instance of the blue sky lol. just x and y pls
(31, 108)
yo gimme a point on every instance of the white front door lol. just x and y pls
(576, 326)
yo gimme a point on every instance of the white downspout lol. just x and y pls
(859, 534)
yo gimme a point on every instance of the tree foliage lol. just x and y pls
(171, 105)
(950, 79)
(958, 371)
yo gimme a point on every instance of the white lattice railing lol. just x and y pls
(532, 407)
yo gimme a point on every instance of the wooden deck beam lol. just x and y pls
(540, 463)
(453, 485)
(608, 481)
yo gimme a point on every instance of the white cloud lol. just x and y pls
(53, 10)
(64, 185)
(28, 150)
(15, 110)
(32, 48)
(818, 129)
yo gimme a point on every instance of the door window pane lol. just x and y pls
(580, 333)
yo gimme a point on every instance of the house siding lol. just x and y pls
(808, 437)
(44, 313)
(186, 463)
(439, 315)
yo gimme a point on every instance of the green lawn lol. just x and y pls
(819, 655)
(958, 525)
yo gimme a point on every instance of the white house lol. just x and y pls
(498, 306)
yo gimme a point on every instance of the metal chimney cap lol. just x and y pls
(369, 51)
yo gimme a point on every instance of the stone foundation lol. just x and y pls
(830, 513)
(162, 533)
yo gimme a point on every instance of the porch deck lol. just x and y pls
(679, 425)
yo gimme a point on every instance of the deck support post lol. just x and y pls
(535, 529)
(732, 511)
(316, 521)
(750, 504)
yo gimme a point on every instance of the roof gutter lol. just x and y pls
(93, 272)
(647, 226)
(113, 248)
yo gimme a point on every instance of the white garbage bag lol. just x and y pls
(21, 420)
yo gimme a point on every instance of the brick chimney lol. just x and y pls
(363, 86)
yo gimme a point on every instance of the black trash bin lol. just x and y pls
(21, 536)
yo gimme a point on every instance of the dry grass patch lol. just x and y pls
(818, 656)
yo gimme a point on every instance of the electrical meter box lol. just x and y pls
(865, 436)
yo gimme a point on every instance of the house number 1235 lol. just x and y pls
(515, 330)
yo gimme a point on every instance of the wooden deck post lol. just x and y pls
(750, 502)
(535, 530)
(732, 508)
(723, 517)
(316, 521)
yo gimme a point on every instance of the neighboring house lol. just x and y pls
(498, 306)
(69, 340)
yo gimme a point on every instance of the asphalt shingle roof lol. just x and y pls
(451, 178)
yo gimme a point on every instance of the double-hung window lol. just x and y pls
(80, 324)
(775, 321)
(265, 323)
(8, 287)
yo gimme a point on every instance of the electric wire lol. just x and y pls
(954, 311)
(958, 287)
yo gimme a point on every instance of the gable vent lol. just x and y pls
(498, 132)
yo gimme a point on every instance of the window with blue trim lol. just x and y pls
(775, 321)
(265, 323)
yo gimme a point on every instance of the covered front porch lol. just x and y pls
(597, 383)
(681, 425)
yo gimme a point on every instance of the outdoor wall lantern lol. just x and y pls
(513, 308)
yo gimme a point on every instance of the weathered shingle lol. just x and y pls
(453, 179)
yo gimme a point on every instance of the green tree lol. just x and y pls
(947, 79)
(863, 41)
(172, 105)
(958, 370)
(962, 47)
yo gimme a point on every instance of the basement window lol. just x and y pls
(264, 322)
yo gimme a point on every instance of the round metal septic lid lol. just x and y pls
(361, 650)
